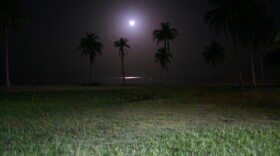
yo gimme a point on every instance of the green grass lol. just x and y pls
(140, 121)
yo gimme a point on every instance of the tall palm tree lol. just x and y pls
(214, 54)
(256, 27)
(161, 56)
(123, 47)
(90, 45)
(165, 34)
(10, 19)
(225, 18)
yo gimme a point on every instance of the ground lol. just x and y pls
(138, 120)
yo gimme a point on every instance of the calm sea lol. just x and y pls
(112, 80)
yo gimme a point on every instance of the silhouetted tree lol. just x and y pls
(10, 19)
(163, 57)
(245, 21)
(122, 45)
(225, 17)
(165, 34)
(214, 54)
(256, 28)
(90, 46)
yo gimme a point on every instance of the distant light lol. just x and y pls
(132, 77)
(132, 23)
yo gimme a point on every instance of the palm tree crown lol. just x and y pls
(122, 45)
(224, 17)
(214, 54)
(90, 45)
(165, 34)
(161, 56)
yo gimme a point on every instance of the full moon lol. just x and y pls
(132, 23)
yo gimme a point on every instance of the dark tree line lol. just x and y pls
(246, 22)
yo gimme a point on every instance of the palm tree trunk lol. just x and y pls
(168, 48)
(262, 69)
(252, 65)
(161, 75)
(238, 64)
(166, 58)
(89, 75)
(216, 79)
(123, 70)
(7, 58)
(166, 73)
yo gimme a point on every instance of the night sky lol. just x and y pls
(49, 54)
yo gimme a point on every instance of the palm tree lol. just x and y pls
(122, 45)
(225, 17)
(10, 19)
(214, 55)
(246, 21)
(161, 56)
(165, 34)
(256, 28)
(90, 45)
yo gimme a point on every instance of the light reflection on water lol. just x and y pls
(132, 77)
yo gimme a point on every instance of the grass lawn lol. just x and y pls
(140, 121)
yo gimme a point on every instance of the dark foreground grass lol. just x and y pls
(140, 121)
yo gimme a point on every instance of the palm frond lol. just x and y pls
(89, 45)
(163, 57)
(10, 16)
(214, 54)
(165, 33)
(122, 45)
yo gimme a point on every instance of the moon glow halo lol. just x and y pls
(132, 23)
